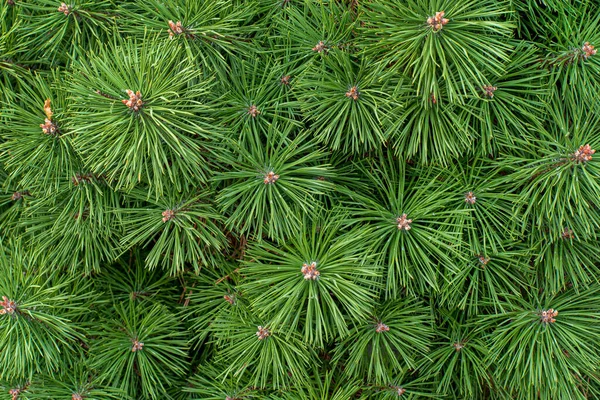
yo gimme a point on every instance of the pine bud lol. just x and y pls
(176, 28)
(47, 108)
(253, 111)
(588, 50)
(65, 9)
(353, 93)
(76, 396)
(262, 333)
(8, 306)
(137, 346)
(483, 259)
(470, 198)
(320, 47)
(458, 346)
(48, 127)
(135, 102)
(310, 271)
(270, 178)
(438, 21)
(583, 154)
(404, 223)
(168, 215)
(285, 80)
(567, 234)
(19, 195)
(547, 316)
(399, 390)
(14, 393)
(489, 91)
(381, 327)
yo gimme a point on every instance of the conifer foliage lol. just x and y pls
(299, 199)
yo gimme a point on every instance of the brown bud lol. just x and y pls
(137, 345)
(489, 90)
(65, 9)
(381, 327)
(49, 127)
(483, 259)
(588, 50)
(547, 316)
(8, 306)
(135, 102)
(270, 178)
(19, 195)
(438, 21)
(253, 111)
(168, 215)
(470, 198)
(353, 93)
(310, 271)
(404, 223)
(14, 393)
(262, 333)
(320, 47)
(567, 234)
(47, 108)
(583, 154)
(175, 28)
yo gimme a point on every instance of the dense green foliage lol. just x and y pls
(299, 199)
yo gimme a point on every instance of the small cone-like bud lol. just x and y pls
(320, 47)
(583, 154)
(483, 259)
(547, 316)
(262, 333)
(8, 306)
(352, 93)
(168, 215)
(137, 345)
(438, 21)
(489, 91)
(310, 271)
(65, 9)
(404, 222)
(135, 102)
(253, 111)
(567, 234)
(270, 178)
(175, 28)
(470, 198)
(588, 50)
